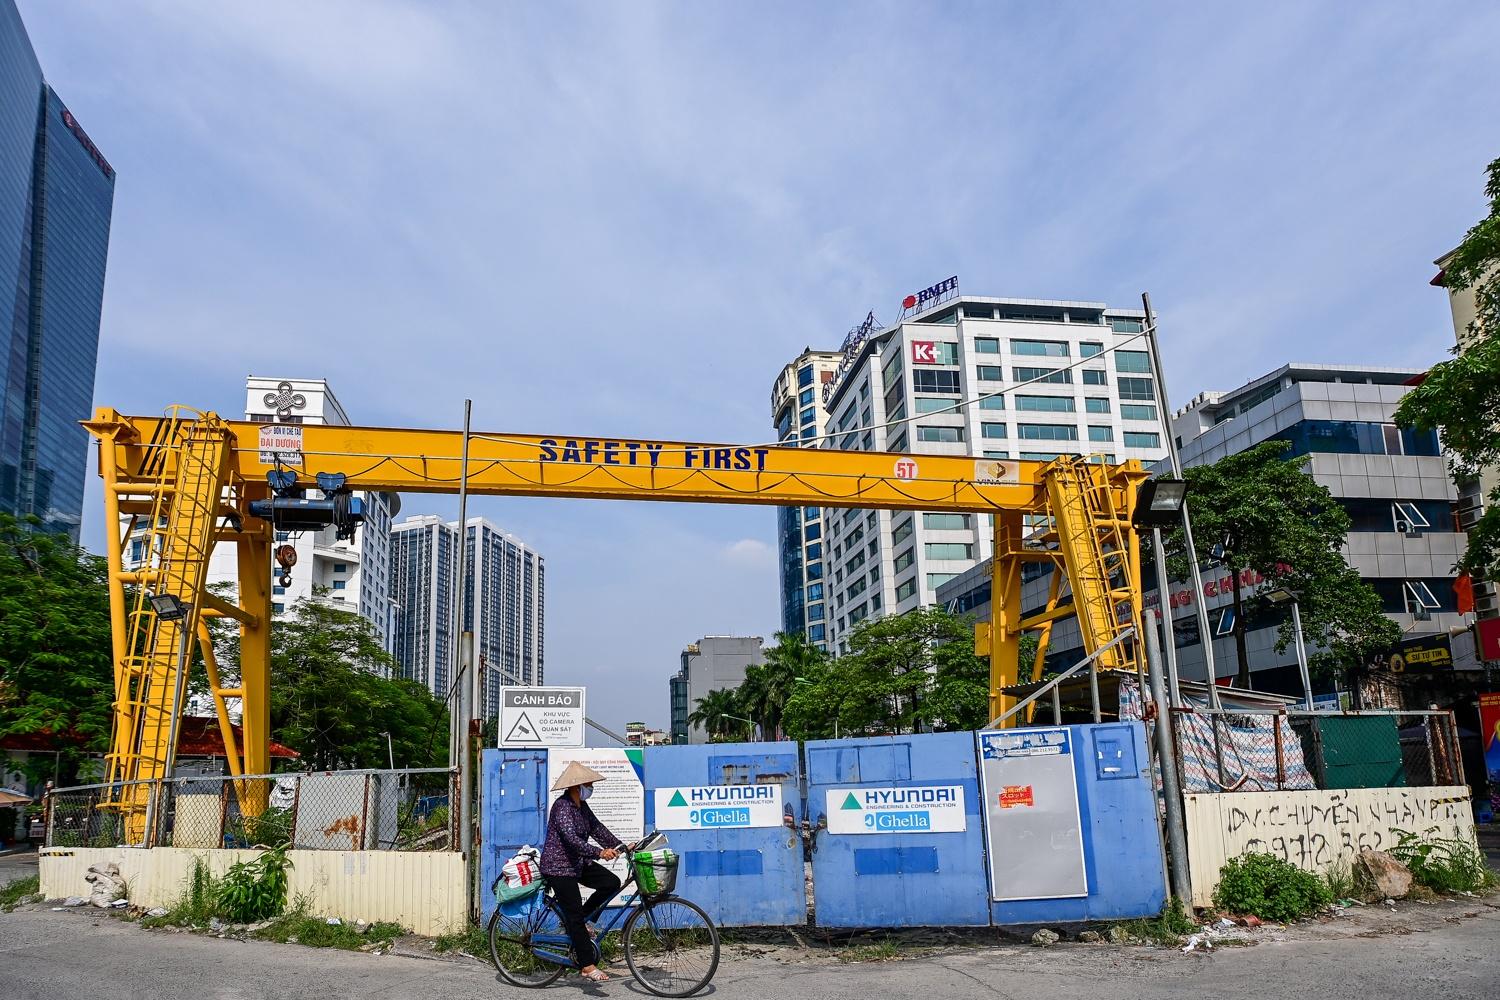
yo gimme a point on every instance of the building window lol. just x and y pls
(340, 584)
(807, 416)
(815, 592)
(815, 571)
(904, 560)
(1047, 432)
(949, 550)
(936, 580)
(901, 531)
(815, 612)
(1137, 411)
(815, 550)
(804, 376)
(978, 310)
(817, 632)
(1053, 376)
(1040, 456)
(1121, 325)
(1040, 348)
(856, 588)
(1133, 361)
(891, 373)
(1089, 349)
(898, 443)
(944, 434)
(992, 430)
(934, 380)
(1096, 405)
(1142, 439)
(1137, 388)
(1357, 437)
(1091, 377)
(997, 454)
(947, 354)
(990, 373)
(805, 397)
(1097, 433)
(1046, 404)
(278, 590)
(277, 607)
(811, 513)
(946, 522)
(992, 403)
(341, 567)
(906, 590)
(926, 404)
(986, 345)
(813, 531)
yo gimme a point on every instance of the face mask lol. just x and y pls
(585, 792)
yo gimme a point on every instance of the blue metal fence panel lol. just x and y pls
(898, 838)
(1121, 836)
(743, 877)
(513, 804)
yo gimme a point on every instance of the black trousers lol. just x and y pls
(577, 911)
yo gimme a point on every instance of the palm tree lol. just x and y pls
(766, 695)
(714, 711)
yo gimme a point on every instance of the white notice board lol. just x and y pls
(1034, 833)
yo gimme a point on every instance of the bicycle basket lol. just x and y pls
(656, 871)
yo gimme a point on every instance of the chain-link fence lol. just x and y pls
(1256, 750)
(401, 810)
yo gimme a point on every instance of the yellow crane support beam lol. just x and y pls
(185, 471)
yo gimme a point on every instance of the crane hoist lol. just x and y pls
(197, 481)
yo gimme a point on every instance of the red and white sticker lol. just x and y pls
(905, 468)
(924, 352)
(1016, 795)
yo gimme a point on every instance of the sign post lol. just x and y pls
(541, 717)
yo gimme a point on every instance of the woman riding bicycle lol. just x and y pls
(568, 861)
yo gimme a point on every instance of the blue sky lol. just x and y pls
(623, 219)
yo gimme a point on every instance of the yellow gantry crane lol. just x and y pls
(197, 481)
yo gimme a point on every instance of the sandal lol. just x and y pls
(597, 976)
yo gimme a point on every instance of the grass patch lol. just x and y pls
(880, 951)
(13, 892)
(301, 927)
(1444, 865)
(1270, 888)
(1166, 928)
(1340, 879)
(469, 941)
(198, 904)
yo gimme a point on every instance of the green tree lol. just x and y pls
(713, 715)
(56, 677)
(329, 703)
(1257, 510)
(1461, 398)
(768, 686)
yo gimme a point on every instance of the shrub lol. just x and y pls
(1270, 888)
(255, 890)
(1443, 864)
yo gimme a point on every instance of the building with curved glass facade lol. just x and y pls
(56, 197)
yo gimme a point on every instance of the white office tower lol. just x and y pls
(351, 574)
(507, 583)
(1075, 380)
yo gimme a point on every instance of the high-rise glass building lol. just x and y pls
(1002, 378)
(56, 196)
(800, 420)
(504, 606)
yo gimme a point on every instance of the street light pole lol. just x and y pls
(1307, 701)
(1206, 639)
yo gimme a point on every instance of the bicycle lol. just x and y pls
(671, 946)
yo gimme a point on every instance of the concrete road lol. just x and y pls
(46, 954)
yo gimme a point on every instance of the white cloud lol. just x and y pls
(750, 553)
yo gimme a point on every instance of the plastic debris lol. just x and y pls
(334, 921)
(119, 903)
(1225, 923)
(157, 911)
(1198, 942)
(75, 901)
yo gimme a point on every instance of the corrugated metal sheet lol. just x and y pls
(423, 891)
(1314, 829)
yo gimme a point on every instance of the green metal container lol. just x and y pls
(1359, 751)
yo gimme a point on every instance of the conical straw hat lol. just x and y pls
(576, 774)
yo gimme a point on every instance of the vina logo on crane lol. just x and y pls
(718, 807)
(914, 809)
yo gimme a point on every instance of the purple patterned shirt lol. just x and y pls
(567, 846)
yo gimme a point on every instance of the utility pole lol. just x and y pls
(463, 686)
(1205, 635)
(1166, 755)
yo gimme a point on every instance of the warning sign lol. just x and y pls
(1016, 795)
(281, 442)
(541, 717)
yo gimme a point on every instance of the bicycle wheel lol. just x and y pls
(671, 946)
(513, 940)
